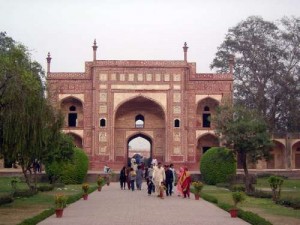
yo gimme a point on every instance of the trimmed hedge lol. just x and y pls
(5, 199)
(247, 216)
(44, 188)
(24, 193)
(218, 164)
(289, 202)
(260, 194)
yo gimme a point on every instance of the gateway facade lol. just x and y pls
(165, 102)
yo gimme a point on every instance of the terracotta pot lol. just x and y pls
(233, 213)
(197, 196)
(85, 196)
(59, 212)
(99, 188)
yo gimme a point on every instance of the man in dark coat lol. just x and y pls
(169, 181)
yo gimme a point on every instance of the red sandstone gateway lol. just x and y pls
(163, 101)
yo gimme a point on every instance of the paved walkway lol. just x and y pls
(113, 206)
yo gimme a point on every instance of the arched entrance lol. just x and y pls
(139, 117)
(277, 156)
(205, 142)
(140, 148)
(296, 155)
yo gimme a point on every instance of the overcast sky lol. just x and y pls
(129, 29)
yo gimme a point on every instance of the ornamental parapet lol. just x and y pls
(212, 76)
(64, 75)
(138, 63)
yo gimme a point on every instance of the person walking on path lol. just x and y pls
(123, 178)
(169, 181)
(132, 175)
(174, 175)
(186, 183)
(139, 178)
(159, 176)
(179, 184)
(128, 176)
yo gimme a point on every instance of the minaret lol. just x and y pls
(231, 63)
(185, 48)
(48, 62)
(95, 50)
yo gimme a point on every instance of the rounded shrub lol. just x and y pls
(217, 165)
(72, 172)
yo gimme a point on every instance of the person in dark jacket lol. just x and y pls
(169, 181)
(123, 178)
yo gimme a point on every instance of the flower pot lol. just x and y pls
(197, 196)
(59, 212)
(99, 188)
(85, 196)
(233, 213)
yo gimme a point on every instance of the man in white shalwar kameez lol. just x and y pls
(159, 176)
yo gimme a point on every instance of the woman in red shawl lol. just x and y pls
(186, 181)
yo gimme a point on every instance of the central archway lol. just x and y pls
(140, 148)
(139, 117)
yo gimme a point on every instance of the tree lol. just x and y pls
(28, 122)
(245, 132)
(267, 69)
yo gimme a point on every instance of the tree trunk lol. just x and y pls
(248, 183)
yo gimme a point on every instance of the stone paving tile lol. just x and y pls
(113, 206)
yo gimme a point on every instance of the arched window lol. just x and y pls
(102, 123)
(206, 108)
(139, 121)
(72, 108)
(177, 123)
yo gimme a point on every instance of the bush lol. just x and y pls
(218, 164)
(238, 187)
(44, 188)
(5, 199)
(223, 185)
(209, 198)
(38, 218)
(260, 194)
(289, 202)
(73, 172)
(252, 218)
(24, 193)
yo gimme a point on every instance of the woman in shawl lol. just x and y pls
(186, 182)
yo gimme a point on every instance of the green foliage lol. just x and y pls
(44, 188)
(275, 184)
(246, 132)
(73, 172)
(197, 187)
(260, 194)
(5, 199)
(237, 187)
(293, 202)
(24, 193)
(60, 201)
(217, 165)
(38, 218)
(266, 71)
(28, 122)
(209, 198)
(101, 181)
(252, 218)
(238, 197)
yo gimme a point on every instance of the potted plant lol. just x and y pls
(85, 188)
(60, 204)
(197, 187)
(100, 182)
(237, 197)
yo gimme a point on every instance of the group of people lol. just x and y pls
(160, 179)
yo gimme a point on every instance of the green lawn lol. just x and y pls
(23, 208)
(264, 207)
